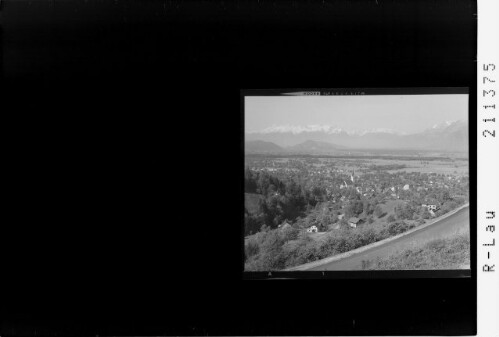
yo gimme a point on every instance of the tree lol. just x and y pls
(391, 218)
(318, 192)
(444, 196)
(249, 181)
(271, 251)
(368, 207)
(354, 208)
(404, 212)
(264, 228)
(252, 224)
(378, 211)
(290, 233)
(398, 227)
(343, 223)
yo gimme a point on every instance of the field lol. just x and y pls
(438, 164)
(458, 166)
(450, 253)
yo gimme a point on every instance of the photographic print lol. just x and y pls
(340, 181)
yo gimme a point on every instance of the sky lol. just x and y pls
(402, 113)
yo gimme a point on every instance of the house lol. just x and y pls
(284, 226)
(354, 222)
(312, 229)
(430, 207)
(341, 216)
(406, 187)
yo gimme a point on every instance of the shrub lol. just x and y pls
(399, 227)
(343, 222)
(290, 233)
(390, 218)
(306, 253)
(354, 208)
(264, 228)
(378, 211)
(346, 244)
(326, 248)
(404, 212)
(252, 265)
(271, 256)
(273, 260)
(425, 214)
(251, 248)
(449, 206)
(272, 241)
(368, 236)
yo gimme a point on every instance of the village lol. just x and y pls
(336, 182)
(309, 208)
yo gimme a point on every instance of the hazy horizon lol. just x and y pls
(400, 113)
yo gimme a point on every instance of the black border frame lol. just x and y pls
(217, 48)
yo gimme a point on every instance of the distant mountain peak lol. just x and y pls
(296, 129)
(314, 145)
(326, 129)
(446, 124)
(260, 146)
(446, 136)
(381, 130)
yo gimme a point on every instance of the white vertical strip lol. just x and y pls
(488, 169)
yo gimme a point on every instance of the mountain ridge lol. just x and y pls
(448, 136)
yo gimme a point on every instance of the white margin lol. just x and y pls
(488, 168)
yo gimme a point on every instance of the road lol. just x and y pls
(455, 223)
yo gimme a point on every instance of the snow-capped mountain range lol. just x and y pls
(447, 136)
(328, 129)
